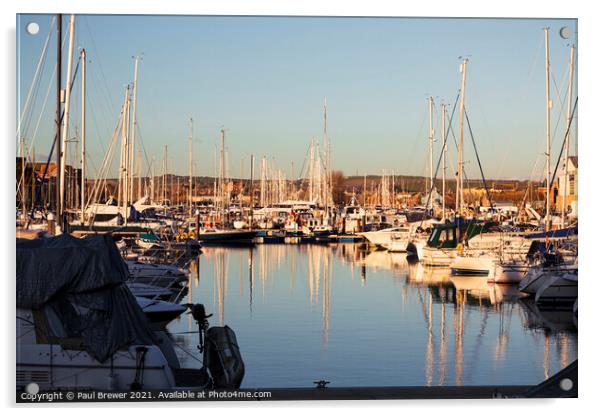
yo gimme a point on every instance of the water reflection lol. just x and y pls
(399, 323)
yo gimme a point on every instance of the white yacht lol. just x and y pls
(556, 284)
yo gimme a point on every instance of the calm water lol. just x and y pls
(303, 313)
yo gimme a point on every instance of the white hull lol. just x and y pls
(558, 285)
(397, 246)
(239, 225)
(478, 265)
(436, 257)
(384, 238)
(509, 272)
(73, 369)
(53, 366)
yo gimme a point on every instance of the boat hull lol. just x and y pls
(227, 237)
(435, 257)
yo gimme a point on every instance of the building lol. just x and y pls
(568, 186)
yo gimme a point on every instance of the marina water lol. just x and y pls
(304, 313)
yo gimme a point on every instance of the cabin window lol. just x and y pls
(434, 237)
(571, 184)
(449, 234)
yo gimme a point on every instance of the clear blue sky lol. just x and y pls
(264, 80)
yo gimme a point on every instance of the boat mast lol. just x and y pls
(65, 126)
(444, 157)
(222, 175)
(252, 194)
(327, 162)
(190, 169)
(431, 139)
(123, 178)
(152, 184)
(59, 35)
(459, 181)
(364, 193)
(548, 105)
(133, 135)
(165, 180)
(568, 138)
(83, 162)
(311, 170)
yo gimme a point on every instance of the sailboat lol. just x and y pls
(213, 235)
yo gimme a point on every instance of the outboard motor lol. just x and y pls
(221, 355)
(224, 359)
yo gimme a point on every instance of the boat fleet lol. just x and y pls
(119, 268)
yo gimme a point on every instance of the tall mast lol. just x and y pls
(59, 32)
(152, 184)
(431, 139)
(124, 153)
(327, 161)
(568, 138)
(65, 126)
(459, 177)
(139, 174)
(444, 156)
(133, 135)
(215, 177)
(22, 185)
(190, 170)
(128, 150)
(548, 105)
(364, 193)
(222, 174)
(165, 180)
(252, 194)
(83, 162)
(311, 170)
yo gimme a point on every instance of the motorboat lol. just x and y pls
(141, 290)
(551, 285)
(223, 236)
(160, 312)
(79, 327)
(162, 275)
(384, 237)
(446, 240)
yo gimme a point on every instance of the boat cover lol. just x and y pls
(83, 281)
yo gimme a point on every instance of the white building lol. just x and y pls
(568, 186)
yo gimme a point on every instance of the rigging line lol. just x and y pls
(141, 141)
(560, 113)
(106, 163)
(51, 82)
(36, 73)
(107, 90)
(439, 160)
(532, 67)
(478, 160)
(102, 102)
(35, 133)
(56, 138)
(417, 140)
(301, 172)
(19, 183)
(566, 135)
(560, 117)
(464, 174)
(24, 127)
